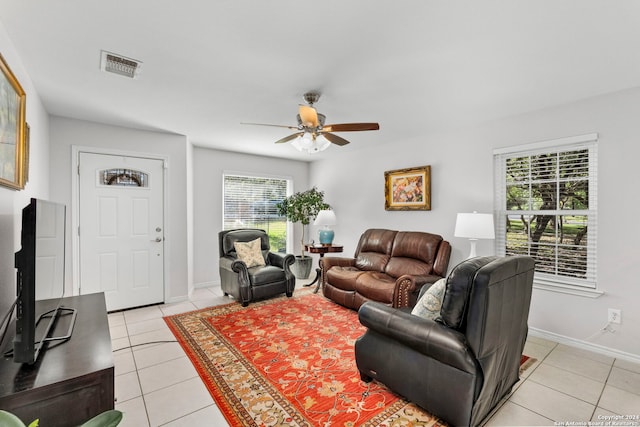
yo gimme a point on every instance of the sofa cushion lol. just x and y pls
(371, 261)
(377, 240)
(266, 275)
(429, 304)
(343, 277)
(250, 253)
(413, 253)
(374, 249)
(397, 266)
(376, 286)
(417, 245)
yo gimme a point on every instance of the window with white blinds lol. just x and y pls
(546, 207)
(250, 202)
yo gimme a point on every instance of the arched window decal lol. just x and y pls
(124, 178)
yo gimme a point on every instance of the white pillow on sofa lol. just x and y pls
(428, 306)
(250, 253)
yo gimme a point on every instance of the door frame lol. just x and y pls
(75, 205)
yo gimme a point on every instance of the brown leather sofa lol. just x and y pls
(388, 266)
(460, 365)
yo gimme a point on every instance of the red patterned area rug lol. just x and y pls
(288, 362)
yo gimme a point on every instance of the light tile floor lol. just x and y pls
(156, 384)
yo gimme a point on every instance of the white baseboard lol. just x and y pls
(184, 298)
(176, 299)
(573, 342)
(206, 284)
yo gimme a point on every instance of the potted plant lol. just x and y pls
(302, 207)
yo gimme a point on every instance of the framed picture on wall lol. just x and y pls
(13, 149)
(408, 189)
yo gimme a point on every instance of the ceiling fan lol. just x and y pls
(312, 134)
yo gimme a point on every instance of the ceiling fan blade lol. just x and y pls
(266, 124)
(289, 138)
(350, 127)
(338, 140)
(308, 116)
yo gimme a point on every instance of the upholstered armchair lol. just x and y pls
(460, 365)
(248, 270)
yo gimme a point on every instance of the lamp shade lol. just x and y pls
(474, 226)
(325, 217)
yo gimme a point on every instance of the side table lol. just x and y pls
(313, 249)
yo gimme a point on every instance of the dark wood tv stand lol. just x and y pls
(71, 381)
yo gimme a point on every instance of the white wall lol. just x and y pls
(12, 201)
(66, 133)
(355, 188)
(462, 181)
(208, 167)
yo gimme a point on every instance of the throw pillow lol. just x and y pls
(250, 253)
(428, 306)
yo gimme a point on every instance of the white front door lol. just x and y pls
(121, 243)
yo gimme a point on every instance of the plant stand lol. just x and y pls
(320, 250)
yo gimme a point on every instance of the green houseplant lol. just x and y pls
(302, 207)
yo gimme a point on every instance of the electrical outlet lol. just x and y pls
(615, 315)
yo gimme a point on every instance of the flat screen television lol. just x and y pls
(40, 273)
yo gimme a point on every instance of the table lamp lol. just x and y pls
(474, 226)
(325, 218)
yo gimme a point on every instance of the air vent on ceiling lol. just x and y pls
(118, 64)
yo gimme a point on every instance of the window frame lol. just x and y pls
(555, 282)
(289, 185)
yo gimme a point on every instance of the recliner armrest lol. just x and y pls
(407, 286)
(234, 264)
(330, 261)
(227, 262)
(419, 281)
(430, 338)
(281, 260)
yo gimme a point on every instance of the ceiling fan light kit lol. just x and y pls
(312, 134)
(311, 145)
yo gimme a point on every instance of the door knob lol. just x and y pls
(158, 240)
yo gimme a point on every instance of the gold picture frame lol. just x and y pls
(408, 189)
(25, 163)
(13, 150)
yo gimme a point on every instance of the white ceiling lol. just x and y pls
(414, 66)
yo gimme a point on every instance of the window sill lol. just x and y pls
(568, 289)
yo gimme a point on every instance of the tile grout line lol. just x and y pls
(602, 391)
(604, 384)
(135, 363)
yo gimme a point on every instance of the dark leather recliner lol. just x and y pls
(461, 365)
(250, 284)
